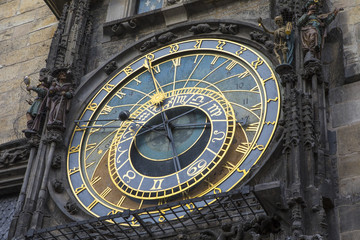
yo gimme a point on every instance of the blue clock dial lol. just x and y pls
(202, 113)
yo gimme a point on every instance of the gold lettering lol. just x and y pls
(157, 184)
(214, 60)
(130, 175)
(176, 62)
(240, 51)
(106, 110)
(174, 48)
(229, 166)
(92, 107)
(274, 100)
(242, 148)
(256, 107)
(252, 127)
(198, 44)
(231, 66)
(93, 204)
(74, 149)
(95, 180)
(105, 192)
(120, 94)
(128, 70)
(80, 189)
(257, 63)
(214, 110)
(74, 170)
(108, 87)
(90, 146)
(220, 45)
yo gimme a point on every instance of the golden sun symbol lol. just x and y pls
(158, 98)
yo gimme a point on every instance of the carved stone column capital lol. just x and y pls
(311, 69)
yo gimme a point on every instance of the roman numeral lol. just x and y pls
(231, 66)
(95, 180)
(256, 107)
(214, 60)
(252, 127)
(157, 184)
(229, 166)
(176, 62)
(106, 110)
(92, 205)
(105, 192)
(242, 148)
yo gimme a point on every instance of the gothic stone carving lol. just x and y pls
(202, 28)
(9, 157)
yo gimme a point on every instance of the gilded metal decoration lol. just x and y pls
(281, 34)
(201, 113)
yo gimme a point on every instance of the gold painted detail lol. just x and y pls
(158, 98)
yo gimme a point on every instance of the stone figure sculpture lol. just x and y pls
(35, 114)
(60, 93)
(313, 25)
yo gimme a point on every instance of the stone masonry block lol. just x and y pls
(349, 166)
(6, 34)
(349, 187)
(30, 5)
(23, 30)
(349, 139)
(349, 218)
(352, 235)
(349, 92)
(8, 9)
(17, 20)
(45, 22)
(42, 34)
(345, 113)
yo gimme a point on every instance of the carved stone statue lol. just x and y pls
(35, 114)
(60, 93)
(312, 25)
(280, 39)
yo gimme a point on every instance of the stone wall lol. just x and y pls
(345, 121)
(26, 29)
(349, 22)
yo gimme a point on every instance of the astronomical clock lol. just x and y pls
(186, 120)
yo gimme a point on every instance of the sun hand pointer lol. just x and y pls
(159, 95)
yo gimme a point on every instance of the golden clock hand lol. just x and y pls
(159, 96)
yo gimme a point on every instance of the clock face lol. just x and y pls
(197, 115)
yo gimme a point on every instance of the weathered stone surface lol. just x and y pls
(345, 93)
(26, 29)
(349, 139)
(349, 186)
(30, 5)
(42, 35)
(350, 235)
(8, 9)
(349, 218)
(349, 165)
(346, 113)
